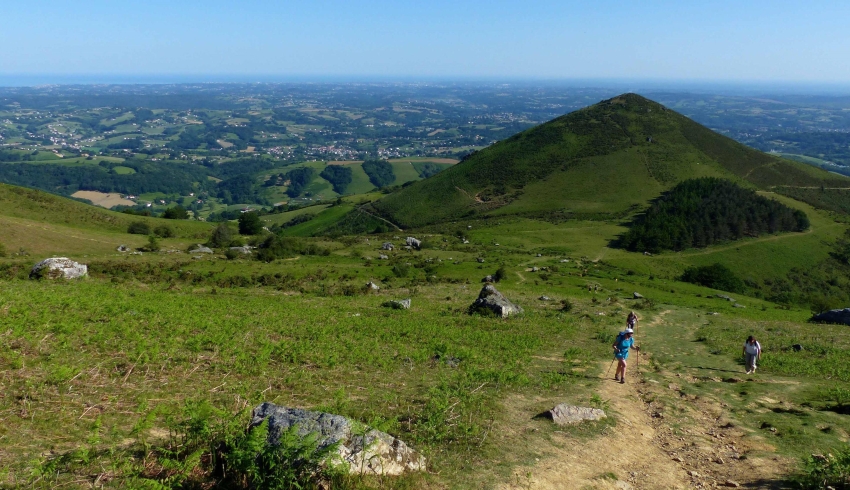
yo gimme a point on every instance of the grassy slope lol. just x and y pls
(583, 153)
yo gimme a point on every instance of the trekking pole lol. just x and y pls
(609, 367)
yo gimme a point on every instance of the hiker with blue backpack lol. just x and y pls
(625, 341)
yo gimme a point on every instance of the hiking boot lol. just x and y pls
(622, 381)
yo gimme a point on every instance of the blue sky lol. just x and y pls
(739, 40)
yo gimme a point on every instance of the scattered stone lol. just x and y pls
(58, 267)
(495, 302)
(403, 304)
(545, 298)
(678, 459)
(123, 248)
(797, 347)
(834, 316)
(712, 313)
(371, 285)
(364, 449)
(200, 249)
(488, 278)
(731, 483)
(694, 474)
(637, 295)
(540, 255)
(736, 305)
(387, 246)
(564, 261)
(723, 296)
(413, 242)
(245, 249)
(565, 414)
(719, 461)
(465, 241)
(383, 257)
(480, 260)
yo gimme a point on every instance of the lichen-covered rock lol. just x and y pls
(488, 278)
(364, 449)
(402, 304)
(387, 246)
(637, 295)
(413, 242)
(123, 248)
(495, 302)
(372, 286)
(58, 267)
(200, 249)
(564, 414)
(834, 316)
(245, 249)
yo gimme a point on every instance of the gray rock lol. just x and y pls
(480, 260)
(492, 300)
(545, 298)
(488, 278)
(564, 261)
(723, 296)
(540, 255)
(413, 242)
(245, 249)
(637, 295)
(387, 246)
(565, 414)
(383, 257)
(58, 267)
(371, 285)
(363, 449)
(465, 241)
(736, 305)
(403, 304)
(834, 316)
(123, 248)
(200, 249)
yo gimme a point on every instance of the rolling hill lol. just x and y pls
(601, 161)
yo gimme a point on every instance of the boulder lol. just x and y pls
(480, 260)
(413, 242)
(540, 255)
(200, 249)
(488, 278)
(495, 302)
(834, 316)
(723, 296)
(403, 304)
(387, 246)
(565, 414)
(58, 267)
(365, 450)
(123, 248)
(245, 249)
(637, 295)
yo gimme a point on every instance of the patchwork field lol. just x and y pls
(102, 199)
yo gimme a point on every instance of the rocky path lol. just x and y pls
(663, 439)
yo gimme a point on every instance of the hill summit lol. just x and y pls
(602, 160)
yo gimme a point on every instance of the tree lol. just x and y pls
(139, 228)
(153, 244)
(177, 212)
(250, 223)
(221, 236)
(163, 231)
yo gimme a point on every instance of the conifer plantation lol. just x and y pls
(701, 212)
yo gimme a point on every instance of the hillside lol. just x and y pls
(602, 161)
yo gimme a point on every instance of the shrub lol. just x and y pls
(152, 245)
(716, 276)
(177, 212)
(281, 247)
(250, 223)
(500, 274)
(139, 228)
(2, 250)
(401, 270)
(163, 231)
(232, 254)
(567, 305)
(826, 471)
(221, 236)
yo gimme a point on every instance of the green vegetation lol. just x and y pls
(250, 223)
(716, 276)
(139, 228)
(177, 212)
(340, 176)
(701, 212)
(380, 172)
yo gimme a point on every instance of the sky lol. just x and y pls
(775, 41)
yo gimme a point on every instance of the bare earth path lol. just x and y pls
(647, 449)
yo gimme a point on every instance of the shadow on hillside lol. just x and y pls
(736, 371)
(771, 484)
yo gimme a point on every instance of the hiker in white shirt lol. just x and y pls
(752, 353)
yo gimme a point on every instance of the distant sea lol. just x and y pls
(726, 87)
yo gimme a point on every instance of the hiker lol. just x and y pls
(752, 353)
(632, 320)
(624, 342)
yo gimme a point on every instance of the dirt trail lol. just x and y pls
(643, 451)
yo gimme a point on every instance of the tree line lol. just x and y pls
(701, 212)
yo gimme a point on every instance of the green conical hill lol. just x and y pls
(602, 160)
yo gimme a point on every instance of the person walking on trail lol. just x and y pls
(632, 320)
(752, 353)
(624, 342)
